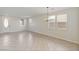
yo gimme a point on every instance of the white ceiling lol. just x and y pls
(27, 11)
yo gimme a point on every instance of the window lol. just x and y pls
(5, 22)
(30, 21)
(21, 21)
(62, 21)
(57, 21)
(51, 21)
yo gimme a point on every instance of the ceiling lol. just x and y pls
(27, 11)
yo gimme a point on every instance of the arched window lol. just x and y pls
(5, 22)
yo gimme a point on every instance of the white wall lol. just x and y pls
(71, 34)
(14, 25)
(40, 26)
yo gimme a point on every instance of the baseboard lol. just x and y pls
(56, 37)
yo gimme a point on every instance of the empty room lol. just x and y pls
(39, 29)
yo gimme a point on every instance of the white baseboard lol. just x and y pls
(76, 42)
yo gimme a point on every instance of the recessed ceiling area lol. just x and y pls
(27, 11)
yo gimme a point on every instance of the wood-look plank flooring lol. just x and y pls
(29, 41)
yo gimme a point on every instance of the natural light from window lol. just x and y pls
(21, 21)
(57, 21)
(30, 21)
(5, 22)
(51, 18)
(62, 21)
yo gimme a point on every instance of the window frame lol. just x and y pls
(66, 22)
(55, 26)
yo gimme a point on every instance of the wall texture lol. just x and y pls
(41, 26)
(14, 25)
(71, 34)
